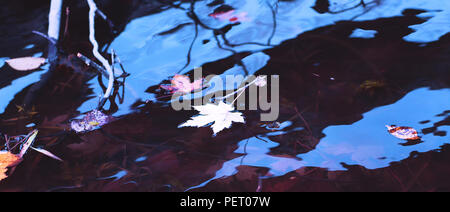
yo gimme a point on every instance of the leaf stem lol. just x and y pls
(237, 97)
(240, 90)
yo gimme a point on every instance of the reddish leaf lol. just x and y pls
(230, 16)
(182, 84)
(405, 133)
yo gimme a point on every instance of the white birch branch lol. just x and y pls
(54, 19)
(105, 63)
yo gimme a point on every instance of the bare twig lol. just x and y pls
(362, 3)
(51, 40)
(274, 17)
(104, 17)
(113, 60)
(93, 64)
(66, 27)
(7, 142)
(105, 63)
(304, 121)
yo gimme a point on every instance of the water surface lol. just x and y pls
(346, 71)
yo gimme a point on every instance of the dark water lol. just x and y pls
(346, 70)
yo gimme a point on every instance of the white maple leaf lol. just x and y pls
(222, 115)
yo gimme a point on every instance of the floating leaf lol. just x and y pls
(230, 16)
(7, 159)
(92, 121)
(220, 114)
(405, 133)
(45, 152)
(182, 84)
(26, 63)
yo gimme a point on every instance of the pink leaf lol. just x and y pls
(182, 84)
(197, 84)
(26, 63)
(230, 16)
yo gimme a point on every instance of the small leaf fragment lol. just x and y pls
(182, 84)
(230, 16)
(405, 133)
(49, 154)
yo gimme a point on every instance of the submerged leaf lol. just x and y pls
(220, 114)
(45, 152)
(26, 63)
(405, 133)
(92, 121)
